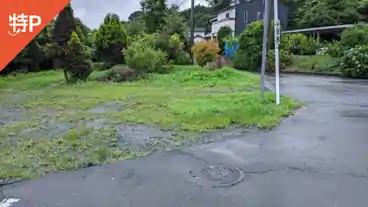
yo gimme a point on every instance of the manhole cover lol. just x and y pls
(222, 175)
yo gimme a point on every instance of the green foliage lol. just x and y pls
(285, 60)
(354, 63)
(135, 28)
(204, 52)
(201, 15)
(319, 13)
(335, 49)
(357, 35)
(110, 40)
(174, 23)
(300, 44)
(153, 14)
(315, 63)
(182, 58)
(222, 34)
(69, 49)
(64, 26)
(142, 56)
(75, 64)
(249, 53)
(135, 15)
(172, 45)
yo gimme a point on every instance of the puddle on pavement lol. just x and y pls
(358, 113)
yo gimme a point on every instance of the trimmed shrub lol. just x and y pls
(142, 56)
(285, 60)
(357, 35)
(354, 63)
(205, 51)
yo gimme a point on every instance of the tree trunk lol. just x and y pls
(66, 76)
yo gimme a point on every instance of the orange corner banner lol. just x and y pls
(21, 21)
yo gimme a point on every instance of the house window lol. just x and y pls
(228, 15)
(246, 16)
(259, 16)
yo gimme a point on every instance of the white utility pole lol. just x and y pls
(277, 43)
(266, 18)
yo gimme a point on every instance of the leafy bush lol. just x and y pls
(354, 63)
(142, 56)
(356, 35)
(172, 45)
(285, 60)
(205, 51)
(249, 53)
(335, 49)
(222, 34)
(300, 44)
(239, 61)
(181, 58)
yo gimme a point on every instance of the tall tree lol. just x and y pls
(70, 54)
(201, 16)
(318, 13)
(154, 12)
(110, 40)
(135, 15)
(220, 4)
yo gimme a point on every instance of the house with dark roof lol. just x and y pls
(238, 15)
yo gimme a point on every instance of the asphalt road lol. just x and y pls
(319, 158)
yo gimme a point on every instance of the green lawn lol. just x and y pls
(187, 101)
(314, 64)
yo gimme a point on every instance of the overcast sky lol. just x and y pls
(92, 12)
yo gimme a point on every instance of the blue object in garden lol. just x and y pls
(230, 50)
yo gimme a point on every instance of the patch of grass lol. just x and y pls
(180, 101)
(202, 112)
(193, 77)
(314, 63)
(31, 81)
(30, 158)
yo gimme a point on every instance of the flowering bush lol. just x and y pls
(354, 63)
(205, 51)
(322, 51)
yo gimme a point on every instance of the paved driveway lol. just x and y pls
(319, 158)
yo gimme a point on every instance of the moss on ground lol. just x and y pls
(189, 100)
